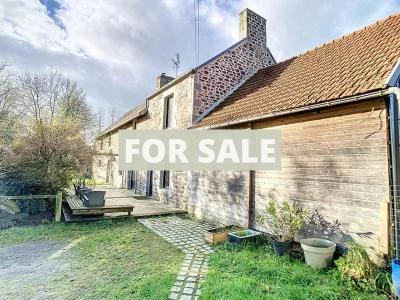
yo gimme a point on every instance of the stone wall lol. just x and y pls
(223, 74)
(218, 78)
(100, 167)
(183, 99)
(219, 197)
(253, 26)
(105, 160)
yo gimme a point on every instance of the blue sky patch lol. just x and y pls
(52, 7)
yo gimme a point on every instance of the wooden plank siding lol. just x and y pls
(334, 161)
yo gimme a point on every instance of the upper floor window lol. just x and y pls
(109, 140)
(169, 107)
(101, 144)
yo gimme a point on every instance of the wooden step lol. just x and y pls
(70, 218)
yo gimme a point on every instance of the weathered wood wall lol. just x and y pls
(334, 162)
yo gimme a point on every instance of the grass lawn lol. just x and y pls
(254, 272)
(115, 260)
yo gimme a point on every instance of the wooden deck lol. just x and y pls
(78, 208)
(118, 202)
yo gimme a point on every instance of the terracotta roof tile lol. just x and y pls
(354, 64)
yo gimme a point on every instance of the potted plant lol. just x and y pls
(318, 252)
(241, 236)
(284, 221)
(219, 234)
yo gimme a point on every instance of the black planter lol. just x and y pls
(281, 248)
(246, 235)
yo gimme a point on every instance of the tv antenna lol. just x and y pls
(177, 62)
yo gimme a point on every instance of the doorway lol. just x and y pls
(149, 184)
(131, 180)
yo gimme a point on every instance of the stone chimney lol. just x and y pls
(253, 26)
(163, 80)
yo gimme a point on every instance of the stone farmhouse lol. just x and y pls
(337, 109)
(178, 102)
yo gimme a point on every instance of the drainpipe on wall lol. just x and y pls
(394, 96)
(251, 199)
(252, 175)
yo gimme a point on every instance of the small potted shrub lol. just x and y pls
(284, 221)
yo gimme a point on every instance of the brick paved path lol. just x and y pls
(188, 235)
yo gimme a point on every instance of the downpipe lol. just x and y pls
(394, 109)
(394, 158)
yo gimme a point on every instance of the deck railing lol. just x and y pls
(57, 197)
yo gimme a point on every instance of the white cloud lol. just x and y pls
(115, 49)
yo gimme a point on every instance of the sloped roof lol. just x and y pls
(354, 64)
(129, 116)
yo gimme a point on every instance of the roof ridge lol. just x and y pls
(337, 39)
(116, 122)
(352, 64)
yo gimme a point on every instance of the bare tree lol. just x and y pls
(100, 120)
(6, 88)
(113, 115)
(7, 102)
(44, 97)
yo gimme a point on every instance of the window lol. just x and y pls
(99, 162)
(164, 179)
(169, 112)
(134, 125)
(101, 144)
(109, 140)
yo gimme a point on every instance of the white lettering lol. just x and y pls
(177, 148)
(228, 151)
(130, 150)
(266, 150)
(246, 158)
(160, 151)
(209, 152)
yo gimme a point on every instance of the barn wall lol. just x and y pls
(334, 162)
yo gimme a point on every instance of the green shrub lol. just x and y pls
(284, 219)
(357, 269)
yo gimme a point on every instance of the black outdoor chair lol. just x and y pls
(94, 198)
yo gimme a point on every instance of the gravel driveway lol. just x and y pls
(27, 270)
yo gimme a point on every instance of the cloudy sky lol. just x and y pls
(116, 48)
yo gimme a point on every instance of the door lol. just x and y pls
(149, 184)
(108, 172)
(131, 180)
